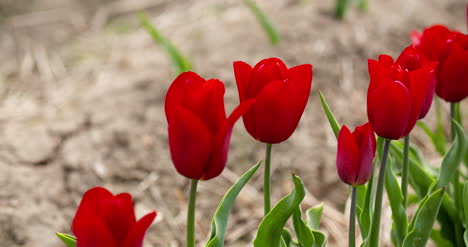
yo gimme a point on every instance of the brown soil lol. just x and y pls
(83, 90)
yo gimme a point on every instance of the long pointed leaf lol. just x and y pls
(271, 227)
(264, 21)
(221, 216)
(69, 240)
(303, 232)
(331, 119)
(180, 62)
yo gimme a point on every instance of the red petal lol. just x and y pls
(190, 142)
(377, 73)
(386, 60)
(243, 72)
(118, 215)
(136, 235)
(275, 111)
(420, 82)
(222, 141)
(177, 93)
(347, 156)
(301, 79)
(452, 83)
(366, 155)
(389, 109)
(95, 234)
(89, 207)
(265, 72)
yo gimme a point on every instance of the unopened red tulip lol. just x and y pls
(103, 219)
(355, 155)
(397, 96)
(199, 132)
(281, 96)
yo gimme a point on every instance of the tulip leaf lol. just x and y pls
(465, 202)
(180, 62)
(436, 138)
(271, 227)
(364, 215)
(465, 237)
(69, 240)
(331, 119)
(287, 238)
(264, 21)
(395, 197)
(439, 240)
(422, 223)
(453, 158)
(220, 218)
(314, 215)
(304, 234)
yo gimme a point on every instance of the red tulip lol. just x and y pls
(355, 155)
(103, 219)
(412, 59)
(450, 49)
(397, 96)
(199, 132)
(281, 96)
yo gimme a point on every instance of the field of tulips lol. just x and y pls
(267, 123)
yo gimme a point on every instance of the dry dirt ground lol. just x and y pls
(83, 88)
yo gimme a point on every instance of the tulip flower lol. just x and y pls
(281, 95)
(354, 163)
(398, 94)
(450, 49)
(355, 155)
(199, 132)
(103, 219)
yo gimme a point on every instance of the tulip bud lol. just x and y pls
(450, 49)
(355, 155)
(281, 96)
(199, 132)
(103, 219)
(399, 94)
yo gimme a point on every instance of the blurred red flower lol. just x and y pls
(450, 48)
(199, 132)
(355, 155)
(281, 96)
(103, 219)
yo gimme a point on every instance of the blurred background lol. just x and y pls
(82, 88)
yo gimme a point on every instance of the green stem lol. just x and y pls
(404, 172)
(375, 227)
(352, 218)
(267, 180)
(340, 9)
(191, 214)
(452, 125)
(362, 5)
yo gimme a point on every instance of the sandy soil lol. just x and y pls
(83, 88)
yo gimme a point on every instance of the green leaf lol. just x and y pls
(271, 227)
(304, 234)
(421, 226)
(221, 216)
(264, 21)
(69, 240)
(287, 238)
(395, 197)
(465, 202)
(439, 240)
(437, 140)
(180, 62)
(453, 158)
(465, 237)
(365, 214)
(331, 119)
(314, 215)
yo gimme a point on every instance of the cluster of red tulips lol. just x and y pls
(272, 100)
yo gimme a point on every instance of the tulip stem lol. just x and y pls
(191, 213)
(404, 171)
(375, 227)
(352, 218)
(452, 116)
(267, 178)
